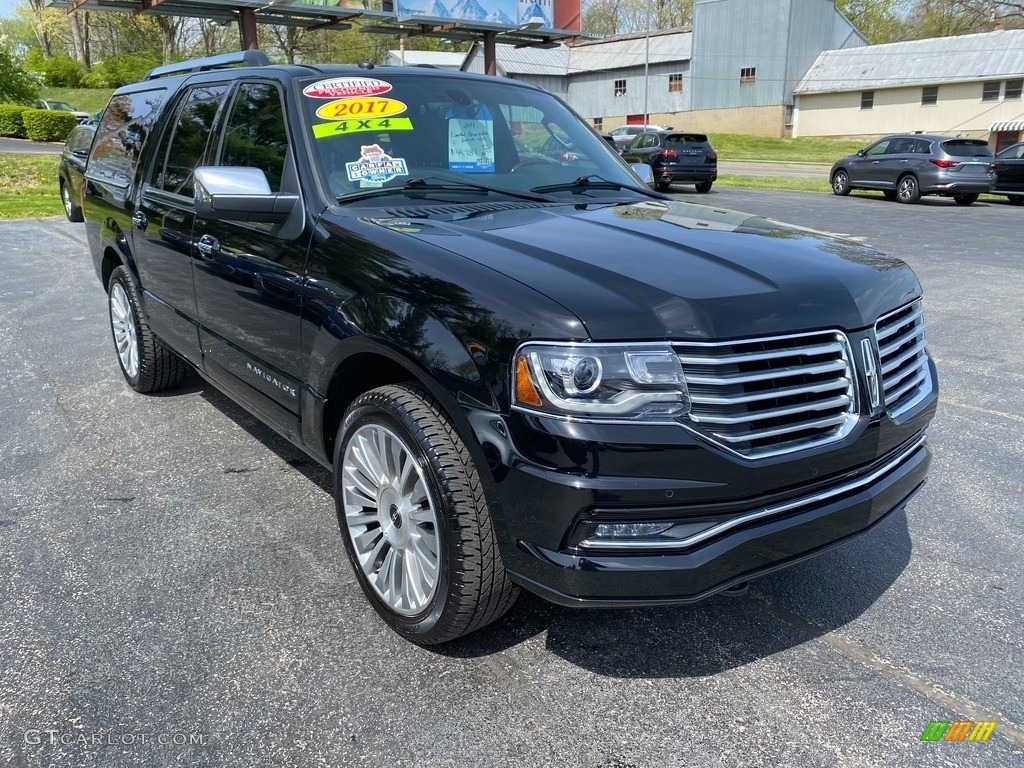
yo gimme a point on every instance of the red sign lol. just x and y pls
(345, 87)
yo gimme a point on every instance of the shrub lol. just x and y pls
(46, 125)
(11, 123)
(15, 83)
(113, 73)
(57, 71)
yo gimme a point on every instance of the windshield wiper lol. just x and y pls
(423, 184)
(593, 181)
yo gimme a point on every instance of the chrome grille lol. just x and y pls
(906, 377)
(760, 397)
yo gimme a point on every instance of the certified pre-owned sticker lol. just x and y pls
(375, 165)
(346, 109)
(346, 87)
(324, 130)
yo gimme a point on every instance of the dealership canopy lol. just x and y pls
(523, 23)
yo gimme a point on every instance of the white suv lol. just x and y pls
(625, 133)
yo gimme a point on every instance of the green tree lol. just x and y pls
(880, 21)
(16, 84)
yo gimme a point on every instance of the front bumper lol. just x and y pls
(764, 540)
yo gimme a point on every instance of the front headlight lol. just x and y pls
(622, 381)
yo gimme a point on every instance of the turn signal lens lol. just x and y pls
(526, 393)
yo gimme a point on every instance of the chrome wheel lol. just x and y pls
(122, 321)
(65, 197)
(390, 518)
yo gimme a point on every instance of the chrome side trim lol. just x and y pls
(761, 514)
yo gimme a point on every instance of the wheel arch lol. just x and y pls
(344, 365)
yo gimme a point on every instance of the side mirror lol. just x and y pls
(644, 172)
(861, 152)
(233, 193)
(82, 152)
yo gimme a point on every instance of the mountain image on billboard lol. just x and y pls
(491, 11)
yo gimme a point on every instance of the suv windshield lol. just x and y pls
(386, 129)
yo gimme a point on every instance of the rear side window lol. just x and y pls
(967, 148)
(126, 124)
(190, 137)
(256, 134)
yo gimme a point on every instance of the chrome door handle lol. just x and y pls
(139, 220)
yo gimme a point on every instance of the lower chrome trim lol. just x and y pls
(761, 514)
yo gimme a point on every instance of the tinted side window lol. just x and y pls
(256, 134)
(880, 148)
(188, 143)
(126, 124)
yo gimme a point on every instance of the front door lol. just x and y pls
(249, 276)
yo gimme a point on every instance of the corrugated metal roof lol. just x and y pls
(613, 53)
(529, 61)
(918, 62)
(443, 59)
(631, 51)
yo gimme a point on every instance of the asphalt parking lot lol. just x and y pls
(175, 591)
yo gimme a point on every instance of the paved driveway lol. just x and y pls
(174, 590)
(26, 147)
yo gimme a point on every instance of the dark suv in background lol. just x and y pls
(905, 168)
(675, 157)
(523, 371)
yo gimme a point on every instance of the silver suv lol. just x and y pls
(626, 133)
(906, 167)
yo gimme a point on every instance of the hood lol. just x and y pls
(671, 270)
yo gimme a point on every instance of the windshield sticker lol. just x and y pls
(375, 165)
(346, 109)
(346, 87)
(326, 130)
(470, 139)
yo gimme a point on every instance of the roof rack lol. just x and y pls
(238, 58)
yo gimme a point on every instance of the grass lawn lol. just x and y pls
(791, 183)
(28, 186)
(85, 99)
(731, 146)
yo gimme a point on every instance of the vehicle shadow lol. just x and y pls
(781, 610)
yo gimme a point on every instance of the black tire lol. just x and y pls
(471, 588)
(662, 186)
(841, 183)
(965, 199)
(156, 367)
(907, 189)
(1016, 199)
(889, 194)
(704, 187)
(72, 211)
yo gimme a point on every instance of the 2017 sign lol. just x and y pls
(345, 109)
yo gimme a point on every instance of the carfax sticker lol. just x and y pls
(346, 87)
(323, 130)
(375, 164)
(346, 109)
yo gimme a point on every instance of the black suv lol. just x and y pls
(523, 373)
(675, 157)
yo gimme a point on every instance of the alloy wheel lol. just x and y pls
(122, 321)
(391, 518)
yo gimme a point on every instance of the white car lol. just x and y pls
(83, 118)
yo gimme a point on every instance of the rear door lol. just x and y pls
(164, 216)
(974, 156)
(691, 149)
(248, 275)
(641, 148)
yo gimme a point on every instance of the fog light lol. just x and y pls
(630, 530)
